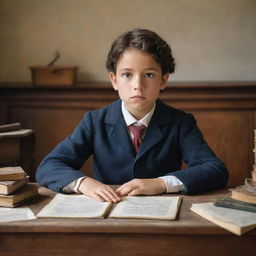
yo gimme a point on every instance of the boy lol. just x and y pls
(137, 142)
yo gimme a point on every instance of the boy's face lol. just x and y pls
(138, 80)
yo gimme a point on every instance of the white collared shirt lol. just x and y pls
(131, 120)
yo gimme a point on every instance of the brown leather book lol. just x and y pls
(12, 173)
(11, 186)
(27, 192)
(243, 194)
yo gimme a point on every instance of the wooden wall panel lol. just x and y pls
(225, 114)
(230, 134)
(51, 126)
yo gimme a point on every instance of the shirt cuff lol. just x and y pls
(73, 186)
(172, 184)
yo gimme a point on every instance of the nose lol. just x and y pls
(138, 83)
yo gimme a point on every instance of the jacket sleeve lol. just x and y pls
(60, 167)
(204, 170)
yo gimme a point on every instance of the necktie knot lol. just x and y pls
(137, 132)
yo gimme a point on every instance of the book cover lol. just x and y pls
(27, 192)
(235, 221)
(10, 186)
(12, 173)
(235, 204)
(243, 194)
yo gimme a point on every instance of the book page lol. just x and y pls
(231, 219)
(147, 207)
(16, 214)
(74, 206)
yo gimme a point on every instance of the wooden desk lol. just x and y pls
(189, 235)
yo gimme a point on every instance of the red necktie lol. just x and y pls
(137, 132)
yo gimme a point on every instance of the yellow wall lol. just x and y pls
(212, 40)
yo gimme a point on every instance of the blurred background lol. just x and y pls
(212, 40)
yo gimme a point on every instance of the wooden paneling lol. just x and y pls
(230, 135)
(225, 113)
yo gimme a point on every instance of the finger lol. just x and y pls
(135, 192)
(115, 196)
(107, 196)
(112, 195)
(97, 197)
(121, 188)
(100, 196)
(124, 186)
(125, 190)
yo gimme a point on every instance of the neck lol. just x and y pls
(139, 113)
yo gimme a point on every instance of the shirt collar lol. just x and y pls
(130, 119)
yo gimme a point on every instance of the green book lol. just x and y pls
(235, 204)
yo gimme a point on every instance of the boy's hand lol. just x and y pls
(142, 187)
(95, 189)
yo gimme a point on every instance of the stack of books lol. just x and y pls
(243, 197)
(236, 213)
(14, 187)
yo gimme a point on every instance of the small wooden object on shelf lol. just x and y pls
(53, 75)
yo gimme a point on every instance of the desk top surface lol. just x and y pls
(187, 222)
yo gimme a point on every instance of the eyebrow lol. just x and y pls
(129, 69)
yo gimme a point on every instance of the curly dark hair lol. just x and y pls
(144, 40)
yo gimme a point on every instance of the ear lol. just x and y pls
(112, 78)
(164, 81)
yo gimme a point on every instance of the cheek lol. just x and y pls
(154, 91)
(123, 84)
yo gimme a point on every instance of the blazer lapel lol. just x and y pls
(118, 134)
(116, 128)
(155, 131)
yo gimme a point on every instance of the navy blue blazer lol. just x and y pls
(172, 136)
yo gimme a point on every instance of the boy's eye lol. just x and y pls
(149, 75)
(126, 75)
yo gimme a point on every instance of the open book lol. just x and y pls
(147, 207)
(142, 207)
(236, 221)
